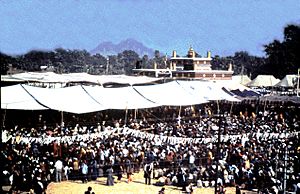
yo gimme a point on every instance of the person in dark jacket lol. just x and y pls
(94, 169)
(17, 180)
(110, 178)
(118, 168)
(181, 179)
(147, 173)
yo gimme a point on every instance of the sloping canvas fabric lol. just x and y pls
(16, 97)
(242, 79)
(207, 90)
(119, 98)
(70, 99)
(263, 81)
(50, 77)
(287, 81)
(169, 94)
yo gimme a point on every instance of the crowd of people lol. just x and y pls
(263, 155)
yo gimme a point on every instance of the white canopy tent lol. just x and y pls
(231, 85)
(35, 77)
(15, 97)
(263, 81)
(50, 77)
(288, 81)
(119, 98)
(169, 94)
(242, 79)
(71, 99)
(85, 99)
(208, 90)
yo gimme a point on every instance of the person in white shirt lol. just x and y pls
(67, 170)
(58, 170)
(191, 160)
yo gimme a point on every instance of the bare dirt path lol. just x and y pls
(136, 187)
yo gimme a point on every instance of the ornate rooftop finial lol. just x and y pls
(191, 52)
(230, 66)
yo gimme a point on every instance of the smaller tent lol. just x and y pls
(263, 81)
(241, 79)
(288, 81)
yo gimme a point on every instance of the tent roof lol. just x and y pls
(287, 81)
(71, 99)
(207, 89)
(231, 85)
(242, 79)
(263, 81)
(119, 98)
(83, 99)
(15, 97)
(169, 94)
(50, 77)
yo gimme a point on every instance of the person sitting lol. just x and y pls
(89, 191)
(162, 191)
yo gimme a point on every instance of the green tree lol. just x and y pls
(284, 57)
(128, 59)
(5, 61)
(242, 62)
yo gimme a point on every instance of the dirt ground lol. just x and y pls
(136, 187)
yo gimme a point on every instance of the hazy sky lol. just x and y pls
(222, 26)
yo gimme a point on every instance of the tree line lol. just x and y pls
(281, 58)
(74, 61)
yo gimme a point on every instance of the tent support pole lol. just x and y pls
(3, 120)
(125, 119)
(265, 105)
(179, 112)
(231, 108)
(298, 81)
(62, 117)
(135, 113)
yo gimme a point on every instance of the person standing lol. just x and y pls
(147, 173)
(237, 189)
(17, 180)
(128, 169)
(110, 178)
(84, 171)
(67, 171)
(118, 168)
(191, 160)
(58, 170)
(75, 169)
(94, 169)
(181, 179)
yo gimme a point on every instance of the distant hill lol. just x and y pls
(109, 48)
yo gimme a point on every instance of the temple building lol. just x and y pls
(189, 67)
